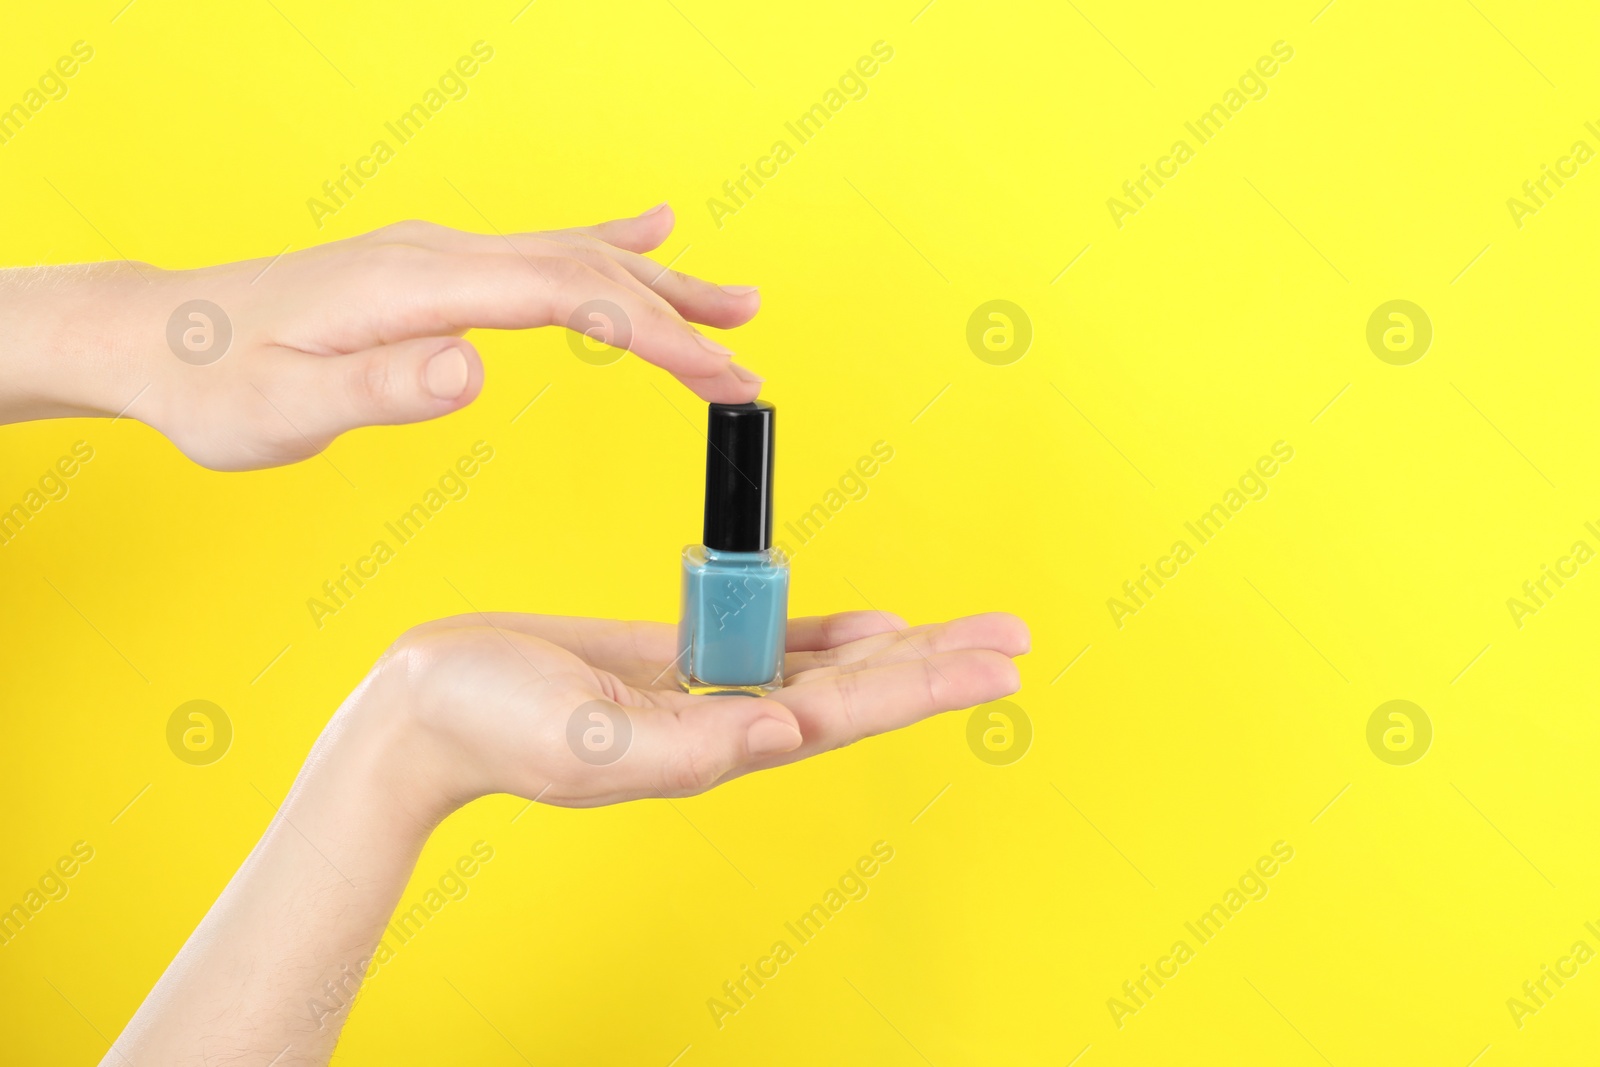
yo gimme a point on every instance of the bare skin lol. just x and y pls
(362, 332)
(368, 332)
(480, 704)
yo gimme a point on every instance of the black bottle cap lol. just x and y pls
(740, 445)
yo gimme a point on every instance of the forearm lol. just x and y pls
(273, 968)
(71, 339)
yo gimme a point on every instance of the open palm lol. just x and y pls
(582, 712)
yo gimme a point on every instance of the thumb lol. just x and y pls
(716, 738)
(407, 381)
(683, 750)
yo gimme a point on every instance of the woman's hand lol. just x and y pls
(288, 353)
(581, 712)
(503, 703)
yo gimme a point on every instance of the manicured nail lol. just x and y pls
(446, 374)
(740, 290)
(653, 211)
(745, 374)
(768, 737)
(711, 346)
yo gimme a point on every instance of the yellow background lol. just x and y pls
(1223, 717)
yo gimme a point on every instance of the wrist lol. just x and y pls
(72, 338)
(368, 787)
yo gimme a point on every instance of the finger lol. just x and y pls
(844, 707)
(1000, 631)
(407, 381)
(722, 306)
(439, 293)
(535, 250)
(826, 631)
(732, 385)
(642, 233)
(692, 298)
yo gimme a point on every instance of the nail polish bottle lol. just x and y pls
(735, 584)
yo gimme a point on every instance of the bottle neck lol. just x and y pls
(754, 556)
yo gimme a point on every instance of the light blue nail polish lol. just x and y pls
(735, 585)
(735, 612)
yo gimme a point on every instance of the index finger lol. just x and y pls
(439, 293)
(841, 708)
(816, 632)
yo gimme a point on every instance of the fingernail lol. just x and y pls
(740, 290)
(745, 374)
(768, 737)
(446, 374)
(711, 346)
(653, 211)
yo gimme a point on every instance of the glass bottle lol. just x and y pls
(736, 584)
